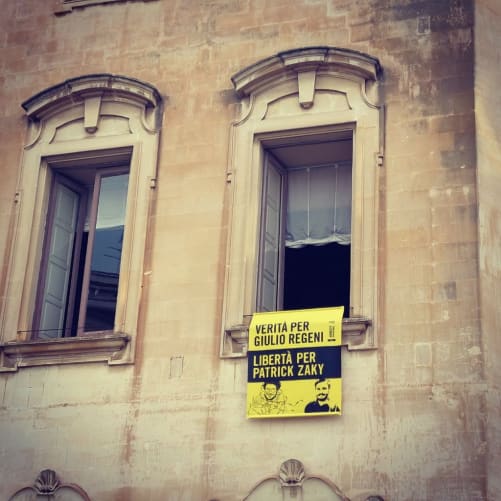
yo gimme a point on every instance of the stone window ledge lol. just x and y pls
(98, 347)
(356, 336)
(66, 6)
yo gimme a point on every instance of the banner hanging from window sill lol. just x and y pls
(295, 363)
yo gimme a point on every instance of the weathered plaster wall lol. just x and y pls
(487, 105)
(172, 426)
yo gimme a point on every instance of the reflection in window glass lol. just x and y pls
(106, 253)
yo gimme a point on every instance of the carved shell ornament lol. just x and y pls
(292, 479)
(47, 482)
(291, 473)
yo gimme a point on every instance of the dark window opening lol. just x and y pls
(317, 276)
(305, 249)
(80, 267)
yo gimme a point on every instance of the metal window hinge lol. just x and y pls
(153, 183)
(379, 159)
(229, 177)
(17, 197)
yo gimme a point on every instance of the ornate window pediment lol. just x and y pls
(304, 64)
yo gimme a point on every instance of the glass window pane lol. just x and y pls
(106, 253)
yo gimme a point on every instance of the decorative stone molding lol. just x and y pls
(295, 484)
(48, 486)
(292, 480)
(92, 90)
(91, 348)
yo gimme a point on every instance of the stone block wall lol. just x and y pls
(487, 102)
(172, 425)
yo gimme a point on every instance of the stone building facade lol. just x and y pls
(187, 99)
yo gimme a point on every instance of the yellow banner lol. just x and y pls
(296, 328)
(295, 363)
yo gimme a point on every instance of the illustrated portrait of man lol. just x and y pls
(322, 402)
(270, 399)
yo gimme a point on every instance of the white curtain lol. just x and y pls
(319, 206)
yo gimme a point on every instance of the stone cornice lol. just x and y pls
(271, 70)
(81, 88)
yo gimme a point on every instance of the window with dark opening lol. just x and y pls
(304, 259)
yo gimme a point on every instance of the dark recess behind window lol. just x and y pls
(317, 276)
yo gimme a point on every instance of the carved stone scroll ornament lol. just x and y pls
(48, 486)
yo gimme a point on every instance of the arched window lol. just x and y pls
(305, 155)
(79, 234)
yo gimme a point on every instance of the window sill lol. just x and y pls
(90, 348)
(356, 336)
(67, 6)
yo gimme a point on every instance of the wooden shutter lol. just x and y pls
(61, 236)
(270, 279)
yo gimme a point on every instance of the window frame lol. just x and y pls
(75, 311)
(282, 170)
(269, 158)
(100, 120)
(301, 93)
